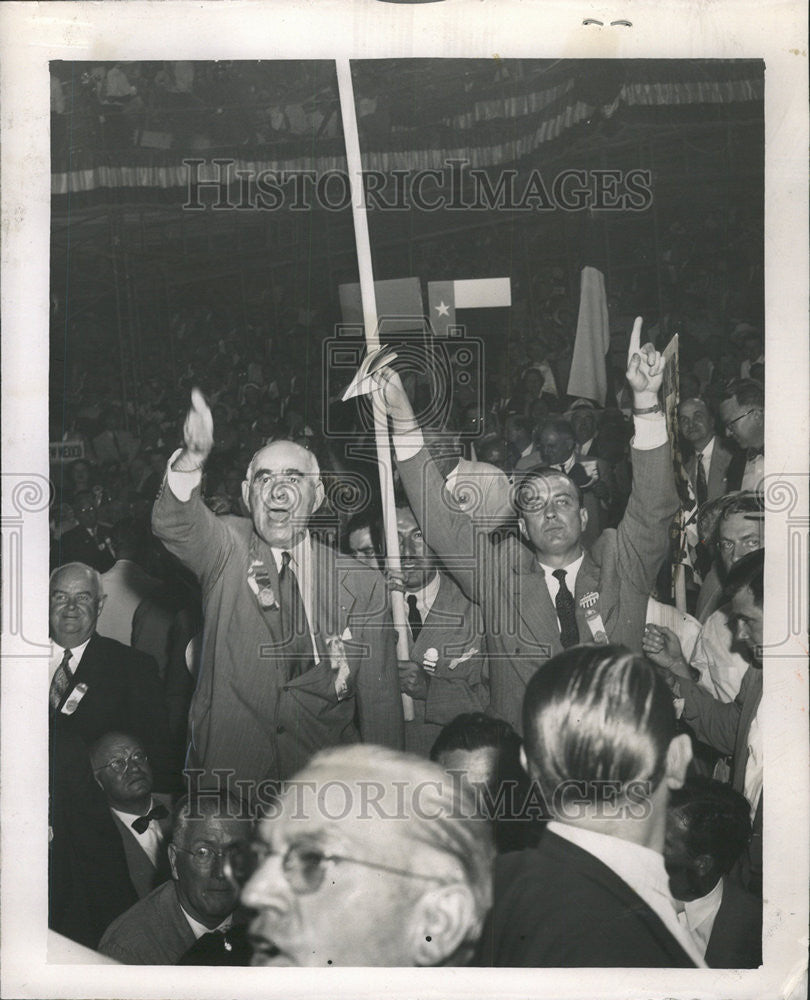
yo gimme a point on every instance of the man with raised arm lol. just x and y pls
(549, 593)
(298, 649)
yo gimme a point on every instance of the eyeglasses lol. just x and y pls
(119, 765)
(731, 423)
(303, 866)
(203, 857)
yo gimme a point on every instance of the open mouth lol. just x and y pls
(266, 953)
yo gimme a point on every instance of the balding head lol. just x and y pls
(76, 600)
(282, 489)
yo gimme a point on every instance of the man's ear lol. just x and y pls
(524, 760)
(246, 493)
(441, 922)
(679, 757)
(583, 518)
(172, 851)
(522, 525)
(320, 495)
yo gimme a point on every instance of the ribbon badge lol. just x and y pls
(590, 605)
(259, 582)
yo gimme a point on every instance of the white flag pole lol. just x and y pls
(352, 140)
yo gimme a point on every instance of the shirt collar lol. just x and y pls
(127, 817)
(198, 929)
(427, 595)
(571, 570)
(76, 653)
(707, 451)
(702, 910)
(299, 553)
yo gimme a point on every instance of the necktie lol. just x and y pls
(414, 617)
(298, 645)
(701, 489)
(569, 633)
(140, 824)
(61, 682)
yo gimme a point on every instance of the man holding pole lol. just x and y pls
(549, 593)
(298, 648)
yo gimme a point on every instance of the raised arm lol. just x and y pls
(643, 534)
(180, 519)
(448, 532)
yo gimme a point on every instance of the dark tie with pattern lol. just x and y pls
(569, 632)
(298, 644)
(141, 824)
(701, 488)
(414, 617)
(61, 682)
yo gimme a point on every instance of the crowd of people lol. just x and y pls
(566, 770)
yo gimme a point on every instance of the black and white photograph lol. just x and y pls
(397, 402)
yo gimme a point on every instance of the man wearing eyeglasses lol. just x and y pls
(742, 411)
(99, 685)
(298, 647)
(372, 858)
(121, 769)
(199, 899)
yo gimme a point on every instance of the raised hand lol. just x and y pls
(645, 369)
(663, 647)
(394, 396)
(198, 432)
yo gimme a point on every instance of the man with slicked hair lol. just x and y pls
(298, 648)
(601, 746)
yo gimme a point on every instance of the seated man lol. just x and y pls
(485, 753)
(708, 829)
(121, 769)
(602, 747)
(448, 672)
(160, 928)
(387, 864)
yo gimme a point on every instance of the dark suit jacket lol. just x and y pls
(454, 628)
(717, 480)
(142, 873)
(559, 906)
(736, 938)
(89, 883)
(124, 695)
(76, 545)
(245, 714)
(507, 583)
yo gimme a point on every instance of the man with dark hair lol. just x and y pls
(708, 460)
(738, 525)
(199, 898)
(708, 829)
(730, 727)
(550, 592)
(742, 411)
(485, 752)
(602, 747)
(362, 538)
(448, 672)
(518, 434)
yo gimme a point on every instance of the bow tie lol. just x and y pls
(140, 824)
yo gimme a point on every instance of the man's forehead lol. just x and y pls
(74, 579)
(405, 519)
(692, 407)
(743, 602)
(215, 826)
(283, 456)
(740, 525)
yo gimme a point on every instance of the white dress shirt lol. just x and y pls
(721, 668)
(151, 838)
(753, 768)
(199, 929)
(571, 573)
(698, 915)
(642, 869)
(57, 652)
(754, 473)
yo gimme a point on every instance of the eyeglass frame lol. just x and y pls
(223, 855)
(139, 756)
(729, 424)
(265, 852)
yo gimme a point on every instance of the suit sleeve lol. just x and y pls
(643, 533)
(192, 533)
(379, 704)
(714, 722)
(449, 533)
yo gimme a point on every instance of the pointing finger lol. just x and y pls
(635, 338)
(198, 402)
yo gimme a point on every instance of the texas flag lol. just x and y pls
(444, 297)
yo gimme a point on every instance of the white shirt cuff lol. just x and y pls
(650, 432)
(409, 444)
(182, 484)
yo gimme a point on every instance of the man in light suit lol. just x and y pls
(298, 646)
(594, 892)
(707, 466)
(447, 673)
(530, 594)
(121, 769)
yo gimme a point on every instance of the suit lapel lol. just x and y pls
(587, 583)
(534, 604)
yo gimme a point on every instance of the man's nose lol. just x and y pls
(267, 886)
